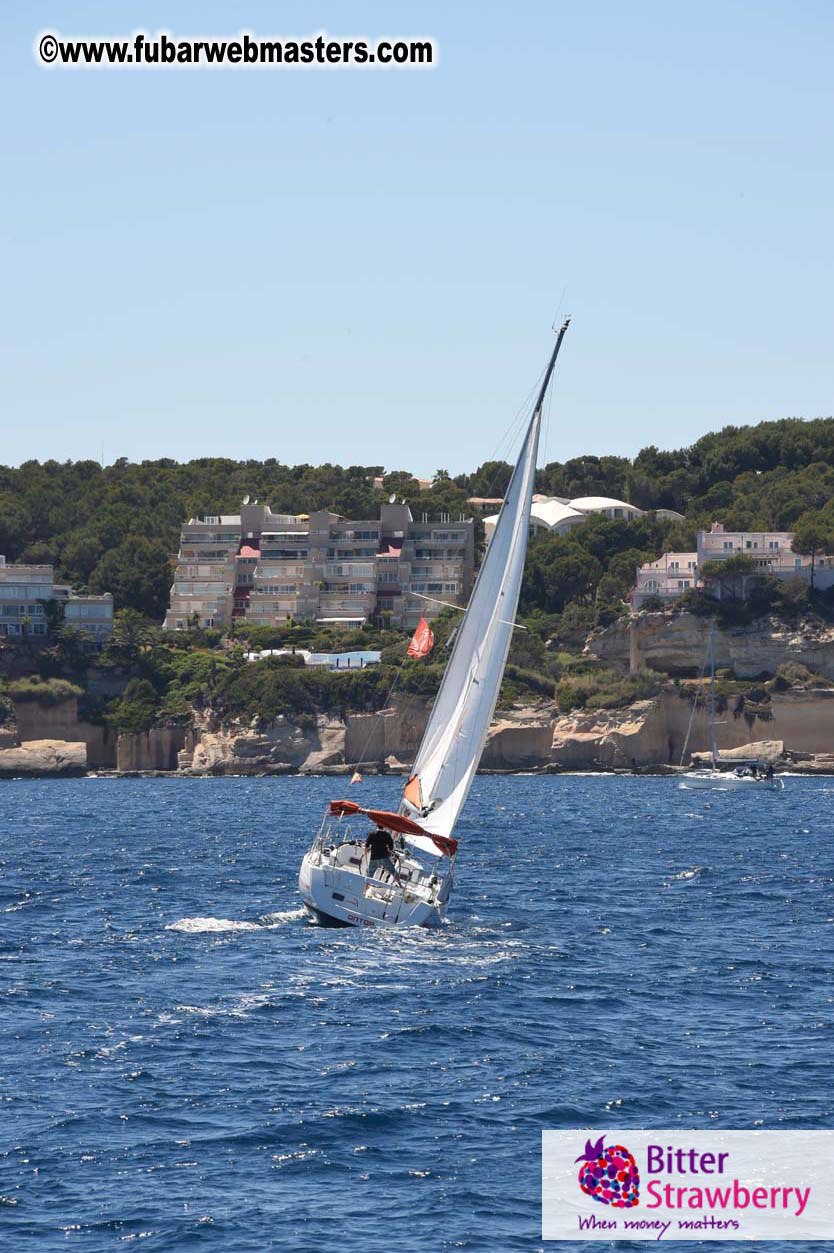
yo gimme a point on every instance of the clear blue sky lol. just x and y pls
(363, 267)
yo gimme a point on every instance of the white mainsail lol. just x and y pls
(457, 728)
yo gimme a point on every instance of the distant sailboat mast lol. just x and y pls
(712, 693)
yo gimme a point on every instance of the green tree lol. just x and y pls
(611, 589)
(131, 636)
(71, 647)
(53, 611)
(117, 527)
(558, 571)
(730, 574)
(401, 483)
(138, 573)
(624, 565)
(490, 479)
(80, 553)
(15, 526)
(137, 708)
(813, 535)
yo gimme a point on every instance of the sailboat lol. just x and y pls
(334, 883)
(741, 774)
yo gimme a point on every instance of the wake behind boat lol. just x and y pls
(414, 887)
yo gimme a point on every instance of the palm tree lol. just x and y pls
(72, 648)
(131, 635)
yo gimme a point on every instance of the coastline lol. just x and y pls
(659, 770)
(792, 729)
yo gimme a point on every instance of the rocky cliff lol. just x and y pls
(42, 758)
(654, 732)
(279, 747)
(518, 739)
(676, 644)
(60, 721)
(157, 749)
(521, 738)
(648, 734)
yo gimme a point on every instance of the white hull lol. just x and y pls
(341, 896)
(727, 781)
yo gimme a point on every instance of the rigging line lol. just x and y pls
(523, 413)
(462, 609)
(512, 432)
(505, 446)
(358, 765)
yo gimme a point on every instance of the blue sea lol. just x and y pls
(185, 1063)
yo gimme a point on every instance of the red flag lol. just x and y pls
(423, 641)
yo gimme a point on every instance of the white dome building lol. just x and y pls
(554, 513)
(607, 505)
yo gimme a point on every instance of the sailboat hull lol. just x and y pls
(728, 782)
(334, 897)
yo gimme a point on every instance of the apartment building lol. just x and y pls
(23, 591)
(770, 551)
(268, 568)
(92, 615)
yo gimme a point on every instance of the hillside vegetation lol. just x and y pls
(116, 528)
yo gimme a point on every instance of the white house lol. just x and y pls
(668, 577)
(770, 551)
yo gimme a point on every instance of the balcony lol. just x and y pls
(344, 605)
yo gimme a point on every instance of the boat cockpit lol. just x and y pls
(341, 854)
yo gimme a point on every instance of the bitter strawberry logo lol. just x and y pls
(609, 1175)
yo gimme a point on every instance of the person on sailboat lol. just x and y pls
(379, 845)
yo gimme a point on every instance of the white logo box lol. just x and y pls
(693, 1185)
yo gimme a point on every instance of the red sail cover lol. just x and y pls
(394, 822)
(423, 641)
(345, 807)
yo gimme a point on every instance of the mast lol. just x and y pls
(454, 738)
(712, 693)
(551, 363)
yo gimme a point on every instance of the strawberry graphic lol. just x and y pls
(609, 1175)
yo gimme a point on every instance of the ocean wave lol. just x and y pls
(197, 926)
(688, 874)
(283, 916)
(584, 976)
